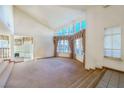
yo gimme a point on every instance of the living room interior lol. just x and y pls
(61, 46)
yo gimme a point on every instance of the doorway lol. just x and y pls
(23, 47)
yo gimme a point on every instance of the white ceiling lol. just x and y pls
(54, 16)
(79, 7)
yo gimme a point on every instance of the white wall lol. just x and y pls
(99, 18)
(6, 16)
(64, 54)
(3, 29)
(43, 37)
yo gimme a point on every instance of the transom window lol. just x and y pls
(71, 29)
(63, 46)
(112, 42)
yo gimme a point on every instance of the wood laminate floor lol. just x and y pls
(112, 79)
(59, 73)
(45, 73)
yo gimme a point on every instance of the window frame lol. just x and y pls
(81, 24)
(5, 51)
(111, 36)
(78, 43)
(63, 49)
(20, 46)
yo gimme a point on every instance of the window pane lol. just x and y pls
(63, 46)
(59, 33)
(0, 44)
(72, 29)
(77, 27)
(112, 42)
(5, 53)
(78, 47)
(64, 31)
(116, 41)
(83, 24)
(1, 53)
(108, 53)
(4, 44)
(116, 30)
(116, 53)
(108, 42)
(108, 31)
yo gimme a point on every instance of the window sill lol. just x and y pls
(114, 59)
(79, 55)
(63, 52)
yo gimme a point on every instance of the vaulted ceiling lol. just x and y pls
(79, 7)
(54, 16)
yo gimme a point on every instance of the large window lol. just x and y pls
(78, 47)
(63, 46)
(71, 29)
(112, 42)
(4, 46)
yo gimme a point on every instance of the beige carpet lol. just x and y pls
(45, 73)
